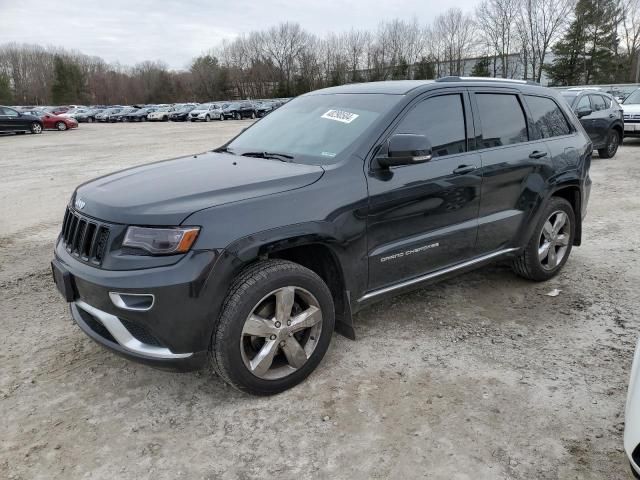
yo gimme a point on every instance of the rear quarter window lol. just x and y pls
(548, 119)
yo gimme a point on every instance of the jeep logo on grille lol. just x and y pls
(79, 203)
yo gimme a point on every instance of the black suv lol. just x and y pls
(600, 115)
(239, 110)
(248, 257)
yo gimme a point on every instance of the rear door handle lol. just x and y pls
(462, 169)
(537, 154)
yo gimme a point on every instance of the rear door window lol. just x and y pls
(441, 120)
(548, 119)
(502, 120)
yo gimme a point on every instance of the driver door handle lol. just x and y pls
(462, 169)
(537, 154)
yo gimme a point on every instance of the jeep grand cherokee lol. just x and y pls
(248, 257)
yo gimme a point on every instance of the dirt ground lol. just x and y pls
(480, 377)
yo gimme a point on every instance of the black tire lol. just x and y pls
(89, 120)
(35, 128)
(613, 142)
(245, 293)
(237, 116)
(207, 118)
(61, 126)
(222, 118)
(253, 115)
(528, 264)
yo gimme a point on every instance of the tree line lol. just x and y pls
(591, 41)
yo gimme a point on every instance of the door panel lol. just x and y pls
(424, 217)
(510, 167)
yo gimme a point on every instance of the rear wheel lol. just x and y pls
(89, 119)
(613, 142)
(253, 115)
(551, 242)
(237, 116)
(35, 127)
(275, 327)
(207, 118)
(221, 117)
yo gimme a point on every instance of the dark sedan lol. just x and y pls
(89, 116)
(13, 121)
(600, 115)
(139, 115)
(182, 114)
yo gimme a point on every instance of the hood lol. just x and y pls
(631, 108)
(167, 192)
(195, 110)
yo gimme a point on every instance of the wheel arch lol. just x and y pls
(572, 194)
(316, 251)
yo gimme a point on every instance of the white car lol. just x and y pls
(206, 112)
(74, 112)
(632, 416)
(161, 114)
(631, 113)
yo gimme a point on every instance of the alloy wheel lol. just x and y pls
(281, 333)
(554, 240)
(36, 128)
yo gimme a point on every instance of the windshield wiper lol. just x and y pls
(283, 157)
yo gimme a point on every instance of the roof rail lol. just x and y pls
(454, 78)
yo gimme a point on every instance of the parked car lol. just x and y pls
(89, 116)
(74, 112)
(205, 112)
(139, 115)
(600, 115)
(181, 114)
(264, 108)
(632, 416)
(246, 258)
(56, 110)
(161, 114)
(12, 120)
(238, 111)
(121, 115)
(631, 112)
(105, 115)
(53, 122)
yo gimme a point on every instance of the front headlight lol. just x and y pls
(161, 241)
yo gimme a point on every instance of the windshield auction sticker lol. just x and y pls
(340, 116)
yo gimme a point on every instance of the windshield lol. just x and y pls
(163, 109)
(634, 98)
(315, 128)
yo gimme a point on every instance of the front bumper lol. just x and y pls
(175, 332)
(632, 129)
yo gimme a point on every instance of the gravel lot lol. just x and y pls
(480, 377)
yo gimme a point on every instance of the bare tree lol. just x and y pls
(542, 23)
(630, 33)
(458, 34)
(496, 20)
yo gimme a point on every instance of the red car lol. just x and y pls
(53, 122)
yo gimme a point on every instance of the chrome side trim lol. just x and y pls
(437, 273)
(116, 299)
(124, 338)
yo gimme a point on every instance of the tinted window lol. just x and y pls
(548, 119)
(441, 120)
(502, 120)
(598, 103)
(9, 112)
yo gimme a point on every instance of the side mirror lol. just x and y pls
(584, 111)
(406, 149)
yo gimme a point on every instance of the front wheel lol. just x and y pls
(61, 126)
(221, 117)
(253, 115)
(275, 327)
(551, 242)
(35, 127)
(613, 142)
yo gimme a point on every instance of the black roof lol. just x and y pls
(402, 87)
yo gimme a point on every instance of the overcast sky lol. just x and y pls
(130, 31)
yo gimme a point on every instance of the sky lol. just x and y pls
(175, 31)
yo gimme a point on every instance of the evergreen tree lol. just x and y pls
(424, 70)
(69, 84)
(401, 69)
(588, 53)
(6, 96)
(481, 68)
